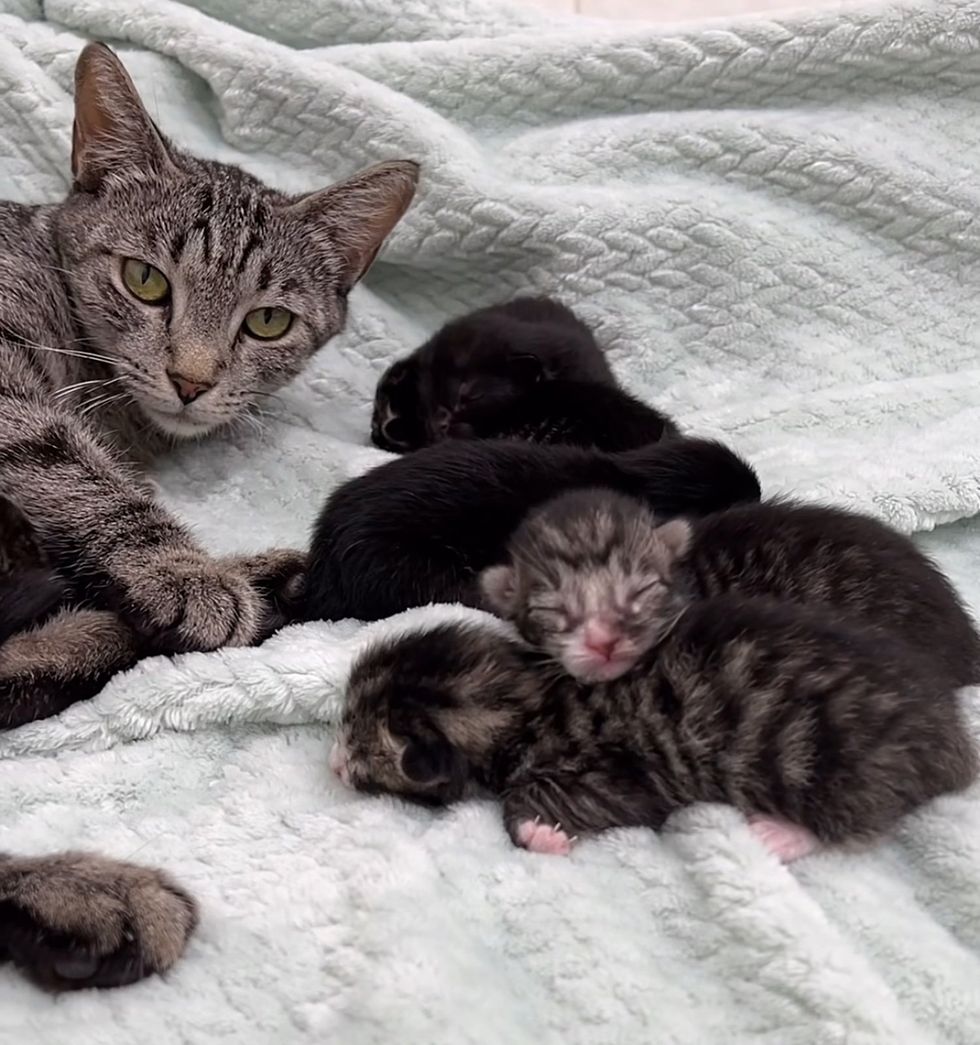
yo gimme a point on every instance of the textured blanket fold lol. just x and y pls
(773, 227)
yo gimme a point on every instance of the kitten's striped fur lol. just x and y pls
(774, 708)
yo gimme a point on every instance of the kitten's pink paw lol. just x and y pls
(541, 838)
(787, 841)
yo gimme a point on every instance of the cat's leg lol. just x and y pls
(68, 658)
(546, 812)
(78, 920)
(104, 530)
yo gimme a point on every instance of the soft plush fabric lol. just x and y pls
(773, 228)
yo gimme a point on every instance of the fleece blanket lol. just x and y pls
(772, 226)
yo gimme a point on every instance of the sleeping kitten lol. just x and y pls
(594, 581)
(821, 733)
(420, 529)
(529, 369)
(157, 302)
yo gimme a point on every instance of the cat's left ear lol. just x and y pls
(358, 214)
(676, 537)
(113, 133)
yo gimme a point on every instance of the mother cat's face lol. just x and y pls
(206, 288)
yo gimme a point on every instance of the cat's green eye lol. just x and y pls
(268, 323)
(145, 282)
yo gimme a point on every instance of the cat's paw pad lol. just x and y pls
(185, 601)
(783, 839)
(77, 920)
(537, 837)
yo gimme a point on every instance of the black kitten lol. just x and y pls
(594, 581)
(420, 529)
(481, 376)
(821, 733)
(574, 413)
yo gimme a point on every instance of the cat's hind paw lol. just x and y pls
(783, 839)
(543, 838)
(77, 920)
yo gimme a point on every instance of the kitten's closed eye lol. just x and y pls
(550, 618)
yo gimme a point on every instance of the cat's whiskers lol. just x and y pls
(104, 401)
(74, 353)
(78, 385)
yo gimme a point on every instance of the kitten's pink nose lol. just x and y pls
(600, 639)
(187, 390)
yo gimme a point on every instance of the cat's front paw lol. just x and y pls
(78, 920)
(538, 837)
(279, 575)
(180, 601)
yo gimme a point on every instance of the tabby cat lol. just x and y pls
(158, 302)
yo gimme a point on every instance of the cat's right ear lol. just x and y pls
(113, 133)
(499, 587)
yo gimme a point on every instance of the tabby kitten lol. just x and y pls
(528, 369)
(595, 582)
(157, 302)
(420, 529)
(820, 733)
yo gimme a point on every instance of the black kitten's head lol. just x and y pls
(423, 710)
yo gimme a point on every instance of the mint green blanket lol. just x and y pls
(773, 227)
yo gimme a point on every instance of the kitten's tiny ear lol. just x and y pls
(676, 536)
(430, 760)
(499, 587)
(112, 130)
(358, 214)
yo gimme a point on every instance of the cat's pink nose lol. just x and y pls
(187, 390)
(601, 640)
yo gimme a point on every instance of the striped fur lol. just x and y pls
(775, 708)
(78, 920)
(87, 377)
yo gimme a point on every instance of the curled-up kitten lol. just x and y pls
(820, 733)
(76, 920)
(529, 369)
(595, 582)
(420, 529)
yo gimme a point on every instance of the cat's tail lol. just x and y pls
(690, 476)
(68, 658)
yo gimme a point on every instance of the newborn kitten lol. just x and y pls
(575, 413)
(594, 582)
(821, 733)
(420, 529)
(529, 369)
